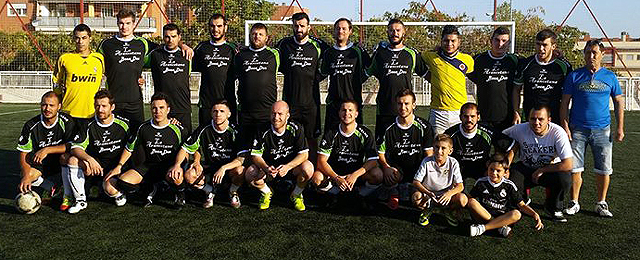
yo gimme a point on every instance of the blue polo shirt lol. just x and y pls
(590, 94)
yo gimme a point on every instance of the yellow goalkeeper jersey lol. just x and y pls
(78, 79)
(448, 79)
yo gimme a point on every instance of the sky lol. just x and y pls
(614, 16)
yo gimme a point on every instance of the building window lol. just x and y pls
(629, 57)
(20, 8)
(107, 11)
(637, 56)
(607, 58)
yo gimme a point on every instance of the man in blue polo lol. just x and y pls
(588, 122)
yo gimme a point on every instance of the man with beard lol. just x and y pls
(214, 60)
(393, 64)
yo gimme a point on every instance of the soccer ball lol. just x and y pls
(28, 202)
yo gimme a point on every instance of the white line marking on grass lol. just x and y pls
(16, 112)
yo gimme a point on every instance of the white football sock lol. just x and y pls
(65, 182)
(42, 183)
(233, 188)
(207, 188)
(297, 190)
(367, 189)
(76, 176)
(265, 189)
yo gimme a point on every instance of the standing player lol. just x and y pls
(214, 60)
(589, 89)
(300, 56)
(159, 141)
(255, 68)
(493, 75)
(403, 146)
(393, 64)
(217, 142)
(171, 72)
(541, 76)
(345, 64)
(448, 68)
(346, 154)
(278, 150)
(97, 149)
(42, 142)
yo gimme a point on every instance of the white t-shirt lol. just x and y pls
(436, 178)
(538, 151)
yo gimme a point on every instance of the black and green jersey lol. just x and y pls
(104, 142)
(494, 77)
(216, 147)
(346, 69)
(36, 135)
(215, 63)
(256, 71)
(124, 60)
(278, 149)
(300, 64)
(160, 144)
(406, 146)
(171, 71)
(348, 152)
(394, 69)
(542, 83)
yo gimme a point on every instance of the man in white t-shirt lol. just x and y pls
(545, 159)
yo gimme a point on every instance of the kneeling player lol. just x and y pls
(96, 149)
(278, 150)
(439, 183)
(160, 141)
(494, 200)
(347, 153)
(217, 141)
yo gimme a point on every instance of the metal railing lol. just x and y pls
(102, 24)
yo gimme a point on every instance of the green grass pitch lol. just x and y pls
(104, 231)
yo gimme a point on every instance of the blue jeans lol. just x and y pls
(601, 143)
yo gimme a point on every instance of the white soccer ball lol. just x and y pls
(28, 202)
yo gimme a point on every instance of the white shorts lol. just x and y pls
(441, 120)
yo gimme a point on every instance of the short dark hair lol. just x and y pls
(594, 42)
(546, 34)
(217, 16)
(406, 92)
(501, 31)
(104, 94)
(82, 28)
(171, 27)
(341, 20)
(220, 101)
(541, 107)
(350, 101)
(443, 138)
(450, 29)
(160, 96)
(49, 94)
(299, 16)
(395, 21)
(256, 26)
(500, 159)
(469, 105)
(126, 12)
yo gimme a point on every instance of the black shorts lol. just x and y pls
(473, 173)
(382, 123)
(50, 165)
(499, 126)
(133, 111)
(408, 172)
(184, 119)
(332, 116)
(153, 171)
(81, 125)
(307, 117)
(248, 132)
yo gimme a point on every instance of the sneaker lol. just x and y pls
(603, 210)
(77, 207)
(209, 202)
(424, 217)
(527, 201)
(48, 195)
(234, 200)
(332, 201)
(476, 230)
(505, 231)
(179, 201)
(153, 192)
(265, 200)
(298, 202)
(121, 200)
(148, 202)
(393, 202)
(556, 216)
(66, 203)
(573, 208)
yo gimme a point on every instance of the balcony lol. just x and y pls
(99, 24)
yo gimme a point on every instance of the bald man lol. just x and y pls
(278, 151)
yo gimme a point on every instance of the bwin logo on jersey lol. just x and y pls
(87, 78)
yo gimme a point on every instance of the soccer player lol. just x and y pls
(159, 141)
(589, 123)
(403, 146)
(448, 68)
(439, 184)
(214, 60)
(280, 152)
(255, 68)
(472, 142)
(217, 142)
(393, 64)
(345, 64)
(347, 156)
(43, 140)
(97, 149)
(494, 72)
(300, 57)
(541, 76)
(494, 201)
(171, 73)
(545, 159)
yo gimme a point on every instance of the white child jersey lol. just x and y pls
(436, 178)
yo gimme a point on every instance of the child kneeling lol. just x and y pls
(495, 200)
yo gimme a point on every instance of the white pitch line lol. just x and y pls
(16, 112)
